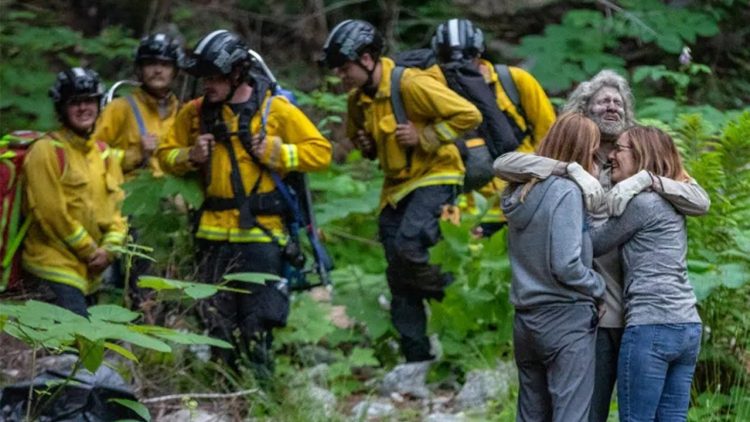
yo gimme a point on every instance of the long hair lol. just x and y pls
(655, 151)
(579, 99)
(573, 137)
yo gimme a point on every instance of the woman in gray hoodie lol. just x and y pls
(662, 335)
(554, 290)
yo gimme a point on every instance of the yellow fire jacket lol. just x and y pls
(117, 126)
(293, 144)
(74, 209)
(540, 114)
(440, 116)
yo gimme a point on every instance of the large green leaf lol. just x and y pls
(112, 313)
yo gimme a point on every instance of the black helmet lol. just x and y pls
(456, 40)
(161, 47)
(72, 83)
(348, 40)
(218, 53)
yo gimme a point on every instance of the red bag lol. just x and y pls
(13, 226)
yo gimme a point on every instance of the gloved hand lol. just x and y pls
(618, 198)
(593, 194)
(269, 151)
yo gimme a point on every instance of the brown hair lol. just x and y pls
(655, 151)
(572, 137)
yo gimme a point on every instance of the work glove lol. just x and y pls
(429, 140)
(617, 198)
(593, 194)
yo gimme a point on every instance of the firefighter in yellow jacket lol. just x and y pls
(422, 166)
(134, 124)
(530, 119)
(222, 137)
(73, 196)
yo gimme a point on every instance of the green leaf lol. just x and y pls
(200, 291)
(363, 357)
(112, 313)
(180, 337)
(257, 278)
(135, 406)
(91, 354)
(127, 354)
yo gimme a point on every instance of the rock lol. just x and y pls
(325, 398)
(445, 417)
(318, 374)
(484, 385)
(367, 409)
(407, 379)
(198, 415)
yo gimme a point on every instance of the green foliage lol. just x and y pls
(136, 407)
(45, 325)
(573, 50)
(474, 320)
(719, 243)
(586, 40)
(33, 45)
(332, 106)
(158, 209)
(183, 288)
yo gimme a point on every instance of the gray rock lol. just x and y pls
(198, 415)
(445, 417)
(484, 385)
(368, 409)
(407, 379)
(325, 398)
(318, 374)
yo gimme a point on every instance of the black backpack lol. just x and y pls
(466, 80)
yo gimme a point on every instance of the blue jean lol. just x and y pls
(655, 371)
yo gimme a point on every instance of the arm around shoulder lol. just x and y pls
(520, 168)
(688, 198)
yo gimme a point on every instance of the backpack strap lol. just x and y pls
(508, 84)
(397, 103)
(510, 88)
(137, 114)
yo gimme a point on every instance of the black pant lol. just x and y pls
(68, 297)
(407, 232)
(245, 320)
(607, 351)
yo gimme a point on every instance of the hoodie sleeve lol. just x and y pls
(521, 167)
(618, 230)
(567, 244)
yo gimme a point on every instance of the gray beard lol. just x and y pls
(607, 128)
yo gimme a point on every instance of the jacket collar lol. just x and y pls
(384, 87)
(153, 103)
(67, 136)
(493, 75)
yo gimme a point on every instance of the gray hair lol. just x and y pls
(579, 99)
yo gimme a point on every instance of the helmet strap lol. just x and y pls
(369, 88)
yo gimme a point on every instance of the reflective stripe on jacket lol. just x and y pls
(293, 144)
(440, 116)
(72, 212)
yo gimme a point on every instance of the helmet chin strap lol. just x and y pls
(368, 88)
